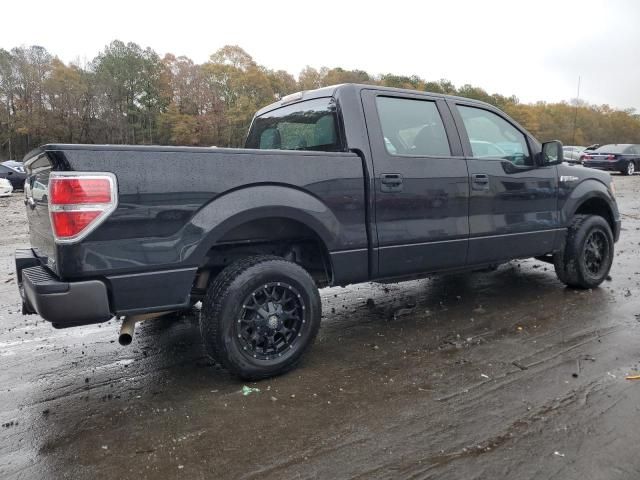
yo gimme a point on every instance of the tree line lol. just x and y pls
(131, 95)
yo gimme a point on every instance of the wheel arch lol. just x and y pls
(266, 216)
(591, 197)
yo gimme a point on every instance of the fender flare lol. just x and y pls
(246, 204)
(585, 191)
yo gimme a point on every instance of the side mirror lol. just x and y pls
(552, 153)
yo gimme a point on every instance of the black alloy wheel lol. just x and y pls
(271, 320)
(596, 250)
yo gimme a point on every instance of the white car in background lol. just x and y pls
(6, 189)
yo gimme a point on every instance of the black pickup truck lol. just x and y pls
(340, 185)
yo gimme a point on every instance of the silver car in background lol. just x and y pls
(15, 165)
(572, 154)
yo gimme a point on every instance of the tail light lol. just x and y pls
(586, 157)
(611, 157)
(79, 202)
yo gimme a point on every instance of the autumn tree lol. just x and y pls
(128, 94)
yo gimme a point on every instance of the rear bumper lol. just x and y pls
(65, 304)
(82, 302)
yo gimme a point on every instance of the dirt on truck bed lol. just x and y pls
(504, 374)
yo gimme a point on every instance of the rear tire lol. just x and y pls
(588, 253)
(259, 316)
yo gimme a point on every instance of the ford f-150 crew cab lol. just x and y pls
(340, 185)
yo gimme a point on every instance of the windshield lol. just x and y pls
(309, 125)
(612, 148)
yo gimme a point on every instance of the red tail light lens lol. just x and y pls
(78, 191)
(586, 157)
(79, 202)
(70, 223)
(611, 157)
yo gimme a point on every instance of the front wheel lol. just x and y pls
(630, 170)
(259, 316)
(588, 253)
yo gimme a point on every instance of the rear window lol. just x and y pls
(308, 125)
(613, 148)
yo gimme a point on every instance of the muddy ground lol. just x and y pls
(486, 376)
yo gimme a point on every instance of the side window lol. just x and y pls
(412, 127)
(491, 136)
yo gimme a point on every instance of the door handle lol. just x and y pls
(391, 182)
(480, 181)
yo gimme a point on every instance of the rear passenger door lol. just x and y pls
(421, 184)
(513, 203)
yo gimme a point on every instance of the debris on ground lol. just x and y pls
(249, 390)
(403, 311)
(558, 454)
(519, 365)
(632, 377)
(577, 372)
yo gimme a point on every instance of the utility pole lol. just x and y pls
(9, 128)
(575, 116)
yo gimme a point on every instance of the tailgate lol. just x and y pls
(38, 169)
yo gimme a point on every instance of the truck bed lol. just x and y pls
(176, 203)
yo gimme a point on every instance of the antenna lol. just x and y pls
(575, 116)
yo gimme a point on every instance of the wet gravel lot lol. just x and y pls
(492, 375)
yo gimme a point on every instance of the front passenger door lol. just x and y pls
(513, 203)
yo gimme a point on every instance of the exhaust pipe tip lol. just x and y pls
(128, 327)
(126, 331)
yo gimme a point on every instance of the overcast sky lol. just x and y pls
(533, 49)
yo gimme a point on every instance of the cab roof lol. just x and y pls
(333, 90)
